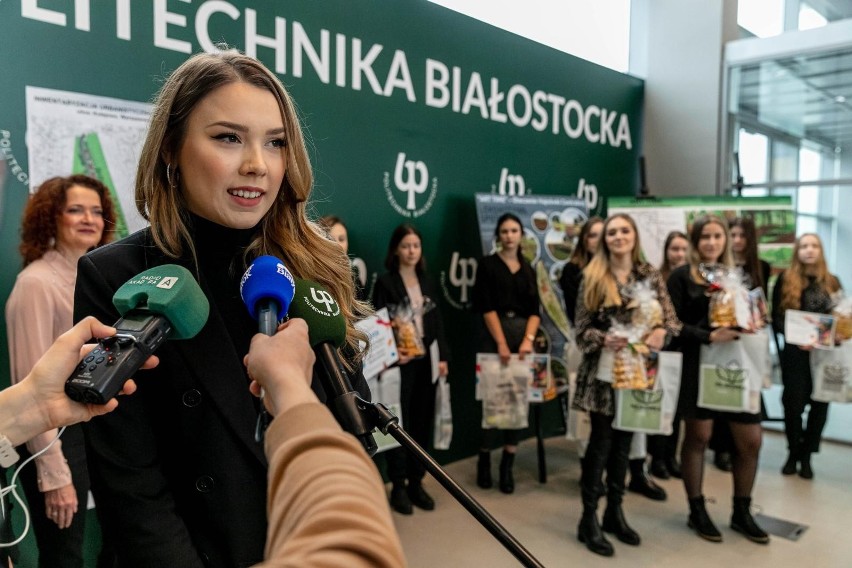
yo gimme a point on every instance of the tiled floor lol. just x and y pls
(543, 517)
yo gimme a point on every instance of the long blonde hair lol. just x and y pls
(285, 231)
(600, 284)
(796, 277)
(695, 237)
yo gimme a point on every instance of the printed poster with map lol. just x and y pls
(75, 133)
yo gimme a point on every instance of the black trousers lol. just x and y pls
(417, 399)
(609, 451)
(59, 548)
(796, 396)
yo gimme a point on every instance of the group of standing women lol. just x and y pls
(224, 177)
(682, 289)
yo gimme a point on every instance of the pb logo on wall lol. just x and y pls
(407, 193)
(510, 184)
(461, 277)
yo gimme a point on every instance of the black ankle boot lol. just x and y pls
(673, 467)
(642, 484)
(743, 522)
(700, 521)
(615, 523)
(805, 470)
(418, 496)
(589, 532)
(399, 500)
(659, 469)
(507, 480)
(790, 465)
(483, 470)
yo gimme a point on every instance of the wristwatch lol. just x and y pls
(530, 336)
(8, 455)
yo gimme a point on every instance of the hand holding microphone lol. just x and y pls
(285, 378)
(164, 302)
(327, 332)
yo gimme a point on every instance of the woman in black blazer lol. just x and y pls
(406, 282)
(177, 473)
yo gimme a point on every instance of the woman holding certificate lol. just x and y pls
(604, 301)
(807, 285)
(688, 287)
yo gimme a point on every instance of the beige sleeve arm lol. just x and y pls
(326, 502)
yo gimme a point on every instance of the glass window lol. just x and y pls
(806, 224)
(763, 18)
(753, 154)
(807, 199)
(810, 18)
(785, 161)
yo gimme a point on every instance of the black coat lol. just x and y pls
(569, 280)
(178, 477)
(390, 289)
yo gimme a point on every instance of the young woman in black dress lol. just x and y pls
(688, 290)
(756, 273)
(506, 295)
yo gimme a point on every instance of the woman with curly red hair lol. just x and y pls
(64, 219)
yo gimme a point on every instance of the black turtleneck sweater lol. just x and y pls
(220, 258)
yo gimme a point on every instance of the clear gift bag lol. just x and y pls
(408, 336)
(842, 312)
(625, 368)
(646, 310)
(730, 305)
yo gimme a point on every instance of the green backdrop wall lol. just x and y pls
(398, 98)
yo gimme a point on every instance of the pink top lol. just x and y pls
(40, 309)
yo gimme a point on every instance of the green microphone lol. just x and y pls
(327, 332)
(164, 302)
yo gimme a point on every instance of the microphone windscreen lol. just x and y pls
(170, 291)
(267, 279)
(321, 312)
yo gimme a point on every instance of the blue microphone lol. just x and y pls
(267, 288)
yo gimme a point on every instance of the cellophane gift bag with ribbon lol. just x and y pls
(729, 297)
(646, 310)
(409, 341)
(842, 311)
(625, 368)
